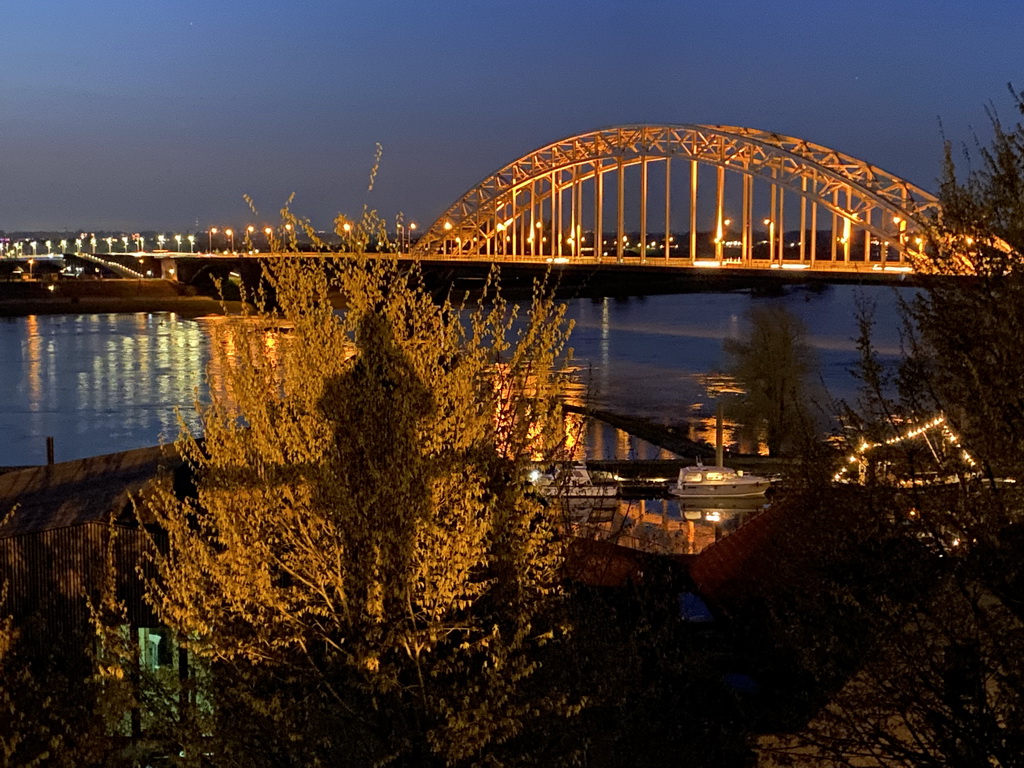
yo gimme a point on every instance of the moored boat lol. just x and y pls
(717, 482)
(574, 483)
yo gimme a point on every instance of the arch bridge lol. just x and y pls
(688, 195)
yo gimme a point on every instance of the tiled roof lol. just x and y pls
(77, 492)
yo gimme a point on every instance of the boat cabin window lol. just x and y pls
(715, 476)
(692, 477)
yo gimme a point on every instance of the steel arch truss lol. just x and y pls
(499, 215)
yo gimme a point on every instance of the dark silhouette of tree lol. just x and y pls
(924, 576)
(773, 363)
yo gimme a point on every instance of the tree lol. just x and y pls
(363, 566)
(934, 581)
(772, 364)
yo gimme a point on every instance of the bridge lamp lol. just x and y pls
(231, 236)
(191, 243)
(49, 247)
(160, 240)
(63, 246)
(78, 245)
(124, 242)
(213, 231)
(177, 239)
(92, 242)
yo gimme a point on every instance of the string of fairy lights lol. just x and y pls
(857, 459)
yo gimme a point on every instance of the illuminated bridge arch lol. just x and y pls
(775, 201)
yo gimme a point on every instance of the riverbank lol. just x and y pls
(37, 297)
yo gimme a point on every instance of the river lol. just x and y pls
(105, 383)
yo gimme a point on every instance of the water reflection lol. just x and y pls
(104, 383)
(96, 383)
(665, 526)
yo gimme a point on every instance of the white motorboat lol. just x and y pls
(574, 483)
(717, 482)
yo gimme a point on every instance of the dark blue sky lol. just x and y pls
(157, 113)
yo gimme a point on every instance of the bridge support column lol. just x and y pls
(748, 214)
(643, 209)
(598, 211)
(803, 220)
(621, 211)
(693, 210)
(668, 206)
(719, 214)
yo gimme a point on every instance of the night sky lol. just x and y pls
(146, 114)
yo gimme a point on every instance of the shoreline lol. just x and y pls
(109, 295)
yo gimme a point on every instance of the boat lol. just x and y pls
(717, 482)
(574, 483)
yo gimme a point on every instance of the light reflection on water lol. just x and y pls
(106, 383)
(96, 383)
(666, 525)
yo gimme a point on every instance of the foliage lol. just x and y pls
(363, 564)
(773, 364)
(924, 578)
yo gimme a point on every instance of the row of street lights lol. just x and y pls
(404, 236)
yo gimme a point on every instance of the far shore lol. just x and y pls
(109, 295)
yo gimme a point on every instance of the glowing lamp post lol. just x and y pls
(124, 243)
(191, 243)
(267, 231)
(177, 239)
(213, 231)
(231, 237)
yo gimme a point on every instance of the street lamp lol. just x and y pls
(771, 239)
(408, 235)
(110, 244)
(213, 231)
(49, 247)
(92, 242)
(191, 243)
(160, 241)
(177, 239)
(124, 242)
(63, 246)
(231, 236)
(447, 228)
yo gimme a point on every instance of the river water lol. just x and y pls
(106, 383)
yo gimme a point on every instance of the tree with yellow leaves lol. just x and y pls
(362, 567)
